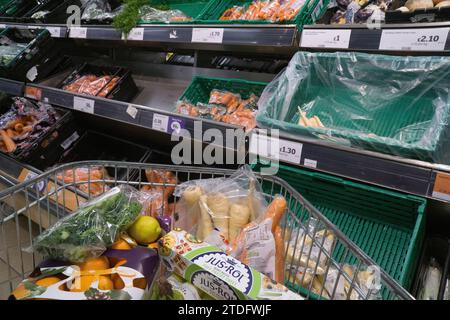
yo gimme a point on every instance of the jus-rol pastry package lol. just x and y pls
(216, 273)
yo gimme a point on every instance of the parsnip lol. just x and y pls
(219, 206)
(239, 217)
(205, 225)
(191, 197)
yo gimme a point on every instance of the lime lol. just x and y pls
(145, 230)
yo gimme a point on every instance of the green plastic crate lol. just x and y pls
(381, 132)
(193, 9)
(388, 226)
(218, 7)
(200, 88)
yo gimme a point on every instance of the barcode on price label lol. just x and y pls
(83, 104)
(432, 39)
(77, 32)
(136, 34)
(276, 149)
(315, 38)
(207, 35)
(160, 122)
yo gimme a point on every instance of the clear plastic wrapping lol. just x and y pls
(390, 104)
(149, 13)
(93, 228)
(99, 10)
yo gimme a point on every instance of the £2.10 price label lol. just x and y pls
(316, 38)
(207, 35)
(432, 39)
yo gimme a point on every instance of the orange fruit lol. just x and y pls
(84, 284)
(100, 263)
(121, 245)
(153, 245)
(47, 281)
(105, 283)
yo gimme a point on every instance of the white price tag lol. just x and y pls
(316, 38)
(310, 163)
(160, 122)
(132, 111)
(83, 104)
(68, 142)
(207, 35)
(2, 26)
(77, 32)
(55, 32)
(135, 34)
(276, 149)
(432, 39)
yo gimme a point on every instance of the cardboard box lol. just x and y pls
(216, 273)
(136, 268)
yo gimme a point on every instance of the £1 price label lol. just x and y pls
(316, 38)
(207, 35)
(432, 39)
(83, 104)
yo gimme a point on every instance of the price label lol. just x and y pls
(207, 35)
(77, 32)
(432, 39)
(136, 34)
(441, 188)
(2, 26)
(312, 38)
(276, 149)
(310, 163)
(83, 104)
(160, 122)
(132, 111)
(55, 32)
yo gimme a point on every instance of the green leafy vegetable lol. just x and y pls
(94, 227)
(128, 18)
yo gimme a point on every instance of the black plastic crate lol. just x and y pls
(124, 90)
(57, 12)
(418, 15)
(113, 4)
(93, 145)
(38, 44)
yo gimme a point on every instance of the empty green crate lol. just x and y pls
(388, 226)
(193, 9)
(218, 7)
(200, 88)
(390, 104)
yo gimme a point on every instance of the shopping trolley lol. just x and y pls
(320, 261)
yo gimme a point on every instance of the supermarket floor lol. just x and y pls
(14, 262)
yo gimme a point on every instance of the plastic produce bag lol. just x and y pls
(87, 232)
(92, 175)
(362, 99)
(148, 13)
(431, 281)
(99, 10)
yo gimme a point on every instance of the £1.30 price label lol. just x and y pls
(207, 35)
(432, 39)
(276, 149)
(316, 38)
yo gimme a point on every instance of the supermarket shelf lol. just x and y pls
(405, 175)
(153, 118)
(56, 30)
(407, 38)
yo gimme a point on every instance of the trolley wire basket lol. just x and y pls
(320, 261)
